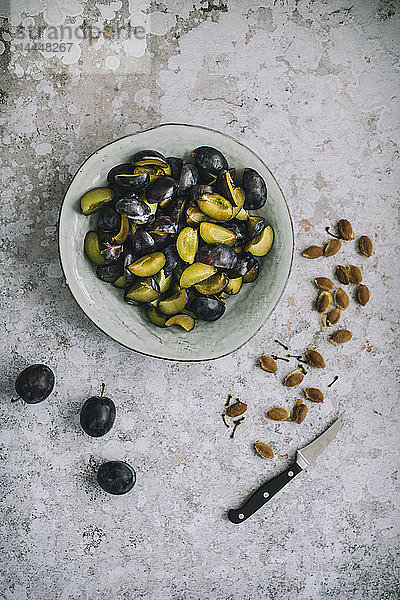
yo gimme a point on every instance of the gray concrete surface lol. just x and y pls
(313, 88)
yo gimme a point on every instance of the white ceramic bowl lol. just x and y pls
(128, 325)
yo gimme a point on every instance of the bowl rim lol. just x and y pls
(182, 360)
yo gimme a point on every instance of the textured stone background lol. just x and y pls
(311, 87)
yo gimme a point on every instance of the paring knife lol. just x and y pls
(304, 457)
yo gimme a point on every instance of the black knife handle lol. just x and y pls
(264, 493)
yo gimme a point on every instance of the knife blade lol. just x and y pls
(304, 457)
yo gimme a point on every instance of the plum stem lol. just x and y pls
(279, 358)
(332, 234)
(15, 399)
(334, 381)
(235, 426)
(280, 343)
(298, 358)
(224, 420)
(103, 387)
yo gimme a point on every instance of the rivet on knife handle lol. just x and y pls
(263, 494)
